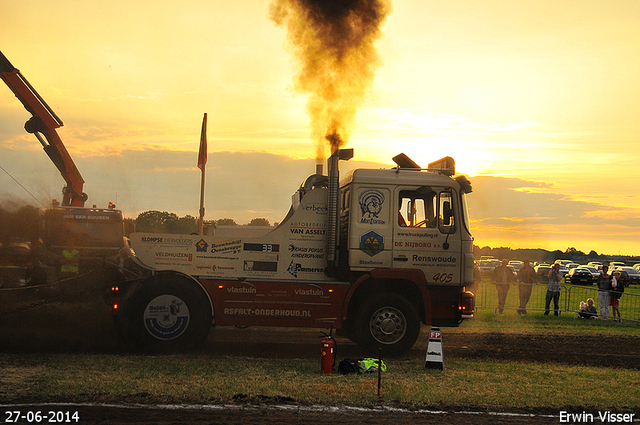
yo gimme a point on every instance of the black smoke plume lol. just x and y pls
(333, 41)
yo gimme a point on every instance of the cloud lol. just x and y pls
(244, 185)
(523, 213)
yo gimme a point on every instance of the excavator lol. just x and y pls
(96, 233)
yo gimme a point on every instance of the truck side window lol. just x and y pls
(446, 217)
(417, 210)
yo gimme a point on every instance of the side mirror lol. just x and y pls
(447, 213)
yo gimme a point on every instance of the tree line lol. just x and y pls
(168, 222)
(20, 223)
(549, 257)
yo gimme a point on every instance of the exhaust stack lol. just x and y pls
(332, 206)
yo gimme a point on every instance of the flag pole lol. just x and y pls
(202, 160)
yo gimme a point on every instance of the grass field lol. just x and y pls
(204, 379)
(465, 384)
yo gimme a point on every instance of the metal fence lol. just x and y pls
(570, 297)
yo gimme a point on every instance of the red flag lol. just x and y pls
(202, 155)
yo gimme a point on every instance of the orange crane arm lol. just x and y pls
(44, 123)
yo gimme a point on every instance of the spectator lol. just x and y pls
(527, 277)
(553, 291)
(604, 292)
(69, 261)
(477, 278)
(588, 310)
(617, 288)
(502, 278)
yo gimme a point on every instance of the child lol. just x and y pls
(588, 310)
(617, 288)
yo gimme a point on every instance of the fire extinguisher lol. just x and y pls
(328, 353)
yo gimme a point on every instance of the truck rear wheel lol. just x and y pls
(387, 321)
(168, 313)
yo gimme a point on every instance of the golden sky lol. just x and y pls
(537, 101)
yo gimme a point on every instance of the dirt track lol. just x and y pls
(87, 327)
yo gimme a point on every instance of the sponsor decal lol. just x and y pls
(226, 247)
(214, 268)
(370, 263)
(417, 244)
(179, 241)
(433, 259)
(309, 292)
(201, 246)
(166, 317)
(371, 243)
(178, 256)
(307, 229)
(266, 312)
(88, 217)
(316, 207)
(306, 252)
(371, 202)
(151, 239)
(168, 240)
(295, 268)
(308, 232)
(417, 235)
(241, 290)
(260, 266)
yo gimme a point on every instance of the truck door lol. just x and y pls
(426, 234)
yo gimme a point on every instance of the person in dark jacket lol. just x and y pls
(526, 277)
(604, 292)
(553, 290)
(617, 288)
(502, 278)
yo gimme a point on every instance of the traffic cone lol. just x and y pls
(435, 359)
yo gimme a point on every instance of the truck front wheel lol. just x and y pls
(168, 313)
(387, 321)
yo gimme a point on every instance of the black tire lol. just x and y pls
(166, 314)
(387, 321)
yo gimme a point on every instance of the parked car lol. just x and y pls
(624, 277)
(542, 272)
(633, 275)
(517, 265)
(579, 276)
(487, 266)
(614, 264)
(594, 271)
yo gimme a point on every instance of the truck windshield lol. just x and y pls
(465, 212)
(427, 209)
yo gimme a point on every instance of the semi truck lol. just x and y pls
(97, 233)
(372, 255)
